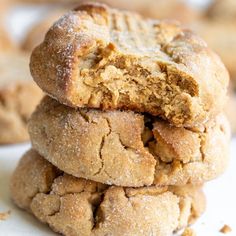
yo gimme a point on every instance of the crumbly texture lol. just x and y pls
(128, 149)
(73, 206)
(221, 36)
(4, 215)
(188, 232)
(127, 62)
(19, 96)
(225, 229)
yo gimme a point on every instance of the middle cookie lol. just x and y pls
(126, 148)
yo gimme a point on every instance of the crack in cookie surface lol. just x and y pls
(74, 206)
(128, 149)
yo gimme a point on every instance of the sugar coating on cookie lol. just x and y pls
(99, 57)
(73, 206)
(128, 149)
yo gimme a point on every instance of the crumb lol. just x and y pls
(4, 215)
(188, 232)
(225, 229)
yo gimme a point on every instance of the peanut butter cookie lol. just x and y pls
(100, 57)
(73, 206)
(128, 149)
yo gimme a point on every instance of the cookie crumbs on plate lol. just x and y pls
(188, 232)
(225, 229)
(4, 215)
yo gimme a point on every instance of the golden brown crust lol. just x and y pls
(130, 63)
(18, 97)
(118, 147)
(74, 206)
(207, 152)
(95, 144)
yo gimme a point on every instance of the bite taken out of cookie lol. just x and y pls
(99, 57)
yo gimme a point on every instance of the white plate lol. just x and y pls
(221, 200)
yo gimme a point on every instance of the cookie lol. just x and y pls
(172, 9)
(125, 148)
(222, 10)
(73, 206)
(5, 41)
(19, 96)
(157, 9)
(100, 57)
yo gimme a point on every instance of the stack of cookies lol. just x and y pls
(131, 129)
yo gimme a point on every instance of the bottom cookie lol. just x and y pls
(73, 206)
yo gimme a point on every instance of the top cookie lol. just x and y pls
(100, 57)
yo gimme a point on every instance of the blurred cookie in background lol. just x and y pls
(221, 37)
(173, 9)
(160, 9)
(179, 10)
(219, 30)
(230, 111)
(222, 10)
(18, 97)
(37, 32)
(5, 41)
